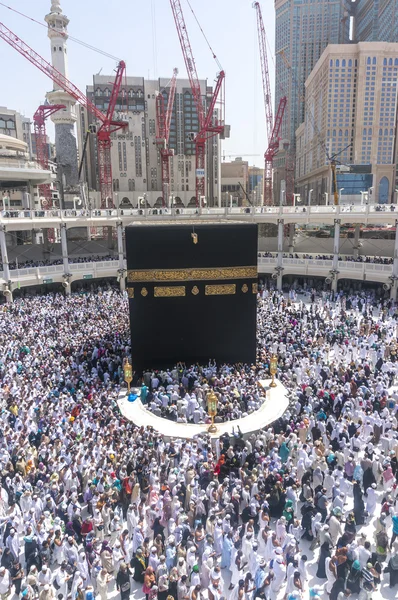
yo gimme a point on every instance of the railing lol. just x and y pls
(143, 213)
(327, 256)
(19, 164)
(300, 266)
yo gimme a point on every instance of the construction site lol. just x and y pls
(129, 141)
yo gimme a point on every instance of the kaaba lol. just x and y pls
(192, 293)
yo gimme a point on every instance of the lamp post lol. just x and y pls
(273, 369)
(212, 402)
(128, 374)
(340, 190)
(296, 198)
(326, 199)
(310, 197)
(370, 194)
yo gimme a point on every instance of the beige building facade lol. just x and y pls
(136, 165)
(234, 182)
(351, 107)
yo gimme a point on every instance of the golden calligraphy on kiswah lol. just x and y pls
(169, 292)
(196, 274)
(220, 290)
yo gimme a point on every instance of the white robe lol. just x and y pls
(371, 501)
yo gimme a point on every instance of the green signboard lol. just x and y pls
(47, 280)
(87, 276)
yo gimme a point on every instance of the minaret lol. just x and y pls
(64, 120)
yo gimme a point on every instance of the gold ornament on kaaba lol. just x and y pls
(144, 292)
(195, 290)
(245, 289)
(212, 402)
(273, 369)
(169, 292)
(128, 374)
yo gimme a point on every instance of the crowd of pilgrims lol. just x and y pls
(93, 507)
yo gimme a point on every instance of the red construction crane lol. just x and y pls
(108, 126)
(273, 128)
(270, 153)
(163, 120)
(208, 127)
(39, 119)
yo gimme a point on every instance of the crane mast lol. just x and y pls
(262, 42)
(39, 120)
(207, 128)
(273, 128)
(163, 121)
(108, 126)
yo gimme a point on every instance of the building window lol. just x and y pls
(124, 157)
(119, 147)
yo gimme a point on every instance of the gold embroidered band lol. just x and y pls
(155, 275)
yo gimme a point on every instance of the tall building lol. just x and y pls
(256, 182)
(351, 102)
(234, 182)
(136, 165)
(376, 21)
(303, 29)
(16, 125)
(64, 120)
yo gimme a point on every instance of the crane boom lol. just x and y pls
(262, 41)
(107, 127)
(170, 103)
(45, 67)
(188, 59)
(207, 128)
(271, 152)
(274, 141)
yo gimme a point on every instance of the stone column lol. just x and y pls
(394, 281)
(65, 257)
(356, 240)
(110, 237)
(336, 248)
(292, 228)
(280, 254)
(4, 256)
(121, 255)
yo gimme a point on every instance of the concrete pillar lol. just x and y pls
(110, 238)
(336, 249)
(65, 257)
(4, 256)
(280, 254)
(121, 255)
(46, 248)
(356, 240)
(393, 290)
(292, 228)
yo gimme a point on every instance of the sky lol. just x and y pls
(143, 33)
